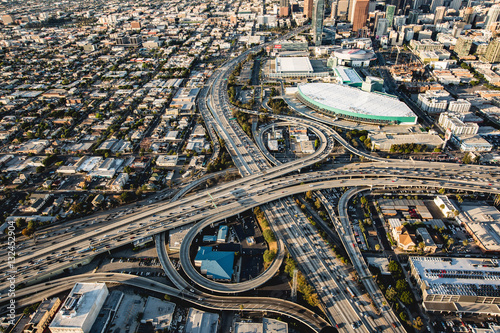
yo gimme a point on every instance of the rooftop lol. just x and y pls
(158, 312)
(482, 222)
(355, 100)
(354, 54)
(201, 322)
(293, 64)
(79, 303)
(215, 264)
(459, 276)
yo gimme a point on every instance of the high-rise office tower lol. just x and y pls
(372, 6)
(413, 17)
(435, 4)
(468, 15)
(308, 8)
(456, 4)
(390, 10)
(439, 14)
(317, 21)
(377, 16)
(343, 9)
(492, 17)
(493, 51)
(359, 14)
(333, 14)
(382, 26)
(399, 21)
(463, 46)
(284, 8)
(417, 4)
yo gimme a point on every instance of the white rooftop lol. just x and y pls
(78, 305)
(458, 276)
(201, 322)
(293, 64)
(354, 100)
(160, 313)
(482, 221)
(274, 326)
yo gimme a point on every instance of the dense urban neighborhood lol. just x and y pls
(250, 166)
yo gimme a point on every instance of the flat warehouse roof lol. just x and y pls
(293, 64)
(458, 276)
(348, 100)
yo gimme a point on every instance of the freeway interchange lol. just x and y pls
(255, 192)
(269, 187)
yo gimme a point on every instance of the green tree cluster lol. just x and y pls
(407, 148)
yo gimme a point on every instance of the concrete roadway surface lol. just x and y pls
(311, 264)
(344, 230)
(37, 293)
(328, 275)
(316, 264)
(183, 285)
(211, 285)
(450, 175)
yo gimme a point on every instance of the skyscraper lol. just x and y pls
(439, 14)
(382, 26)
(317, 21)
(493, 51)
(389, 13)
(413, 17)
(492, 17)
(463, 46)
(456, 4)
(399, 21)
(468, 15)
(333, 14)
(417, 4)
(284, 8)
(359, 14)
(308, 8)
(435, 4)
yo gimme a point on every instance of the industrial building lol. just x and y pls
(79, 311)
(471, 143)
(465, 285)
(384, 142)
(297, 67)
(159, 313)
(201, 322)
(354, 104)
(481, 222)
(267, 326)
(217, 265)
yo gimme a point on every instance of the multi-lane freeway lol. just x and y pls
(260, 185)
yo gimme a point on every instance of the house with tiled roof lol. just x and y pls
(405, 240)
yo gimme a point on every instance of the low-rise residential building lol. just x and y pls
(119, 183)
(167, 160)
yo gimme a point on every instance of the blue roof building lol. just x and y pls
(217, 265)
(209, 238)
(222, 234)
